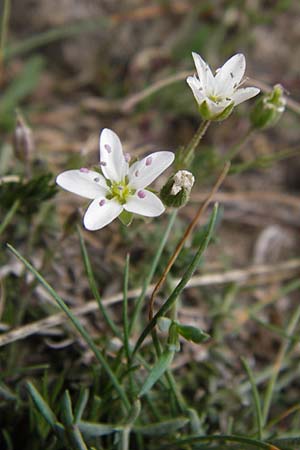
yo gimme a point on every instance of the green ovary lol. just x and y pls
(120, 191)
(215, 98)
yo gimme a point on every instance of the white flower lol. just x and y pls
(121, 188)
(217, 95)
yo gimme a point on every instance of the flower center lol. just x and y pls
(120, 191)
(215, 98)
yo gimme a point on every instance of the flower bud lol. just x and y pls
(176, 191)
(23, 140)
(268, 108)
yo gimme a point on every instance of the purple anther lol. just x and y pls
(97, 179)
(141, 194)
(120, 188)
(149, 161)
(136, 173)
(107, 148)
(127, 157)
(102, 202)
(84, 170)
(102, 163)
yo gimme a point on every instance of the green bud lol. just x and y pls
(268, 109)
(207, 114)
(192, 334)
(176, 192)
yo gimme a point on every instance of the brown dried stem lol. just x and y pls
(187, 233)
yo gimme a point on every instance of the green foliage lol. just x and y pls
(30, 193)
(20, 88)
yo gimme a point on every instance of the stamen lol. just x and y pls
(102, 163)
(141, 194)
(120, 188)
(127, 157)
(149, 161)
(84, 170)
(136, 173)
(102, 202)
(107, 148)
(97, 179)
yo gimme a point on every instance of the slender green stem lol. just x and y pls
(139, 302)
(186, 156)
(9, 216)
(94, 288)
(257, 403)
(179, 288)
(4, 29)
(82, 331)
(277, 366)
(125, 309)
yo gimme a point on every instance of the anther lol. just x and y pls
(84, 170)
(141, 194)
(149, 161)
(107, 148)
(136, 173)
(97, 179)
(102, 202)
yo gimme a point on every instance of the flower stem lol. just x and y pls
(186, 156)
(179, 288)
(139, 302)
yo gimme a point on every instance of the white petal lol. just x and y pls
(205, 75)
(84, 182)
(145, 203)
(100, 213)
(114, 165)
(229, 76)
(197, 89)
(143, 172)
(243, 94)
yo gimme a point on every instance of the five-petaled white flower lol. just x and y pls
(121, 188)
(217, 95)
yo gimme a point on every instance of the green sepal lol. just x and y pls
(174, 201)
(192, 334)
(173, 338)
(126, 218)
(207, 114)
